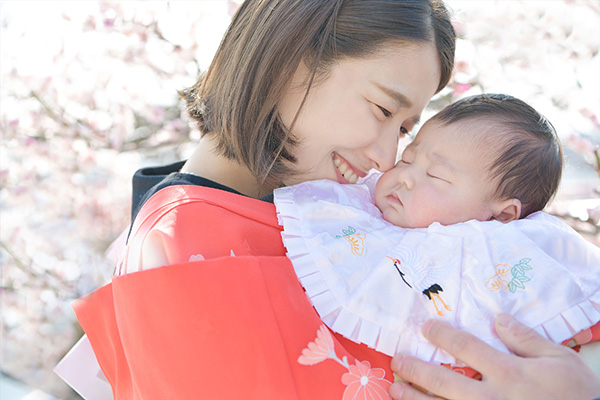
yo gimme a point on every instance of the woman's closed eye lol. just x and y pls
(386, 113)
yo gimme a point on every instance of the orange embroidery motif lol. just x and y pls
(356, 240)
(518, 280)
(496, 282)
(362, 381)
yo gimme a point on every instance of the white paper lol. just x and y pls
(80, 370)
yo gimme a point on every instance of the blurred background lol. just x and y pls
(88, 94)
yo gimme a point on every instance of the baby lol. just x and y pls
(487, 157)
(454, 231)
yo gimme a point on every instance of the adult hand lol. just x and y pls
(540, 369)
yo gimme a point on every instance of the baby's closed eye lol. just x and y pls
(438, 177)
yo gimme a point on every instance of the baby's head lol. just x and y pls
(485, 157)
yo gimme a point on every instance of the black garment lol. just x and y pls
(147, 181)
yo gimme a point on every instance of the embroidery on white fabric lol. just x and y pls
(430, 289)
(519, 277)
(356, 240)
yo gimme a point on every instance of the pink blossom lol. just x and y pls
(319, 350)
(460, 88)
(365, 383)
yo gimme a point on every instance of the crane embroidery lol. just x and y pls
(356, 240)
(431, 291)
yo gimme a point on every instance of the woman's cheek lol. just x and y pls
(361, 130)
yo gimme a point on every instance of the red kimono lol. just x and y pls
(226, 319)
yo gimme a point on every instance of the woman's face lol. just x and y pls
(352, 119)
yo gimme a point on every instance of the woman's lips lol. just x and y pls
(345, 171)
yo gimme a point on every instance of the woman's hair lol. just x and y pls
(236, 99)
(526, 156)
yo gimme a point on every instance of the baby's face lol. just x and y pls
(442, 177)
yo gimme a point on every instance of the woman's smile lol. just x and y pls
(346, 173)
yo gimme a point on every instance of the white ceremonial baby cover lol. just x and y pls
(376, 283)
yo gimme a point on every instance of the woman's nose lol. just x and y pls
(383, 152)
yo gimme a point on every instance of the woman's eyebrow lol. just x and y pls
(399, 98)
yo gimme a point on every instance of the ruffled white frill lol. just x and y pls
(376, 283)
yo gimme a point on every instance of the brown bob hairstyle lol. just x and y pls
(236, 99)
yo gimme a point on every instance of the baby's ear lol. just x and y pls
(507, 210)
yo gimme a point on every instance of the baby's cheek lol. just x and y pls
(428, 209)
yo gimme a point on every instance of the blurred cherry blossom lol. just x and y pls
(89, 95)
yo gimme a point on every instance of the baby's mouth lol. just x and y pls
(393, 197)
(345, 170)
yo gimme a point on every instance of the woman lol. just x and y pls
(298, 90)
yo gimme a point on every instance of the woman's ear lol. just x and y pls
(507, 210)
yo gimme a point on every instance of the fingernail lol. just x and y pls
(505, 320)
(396, 390)
(395, 361)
